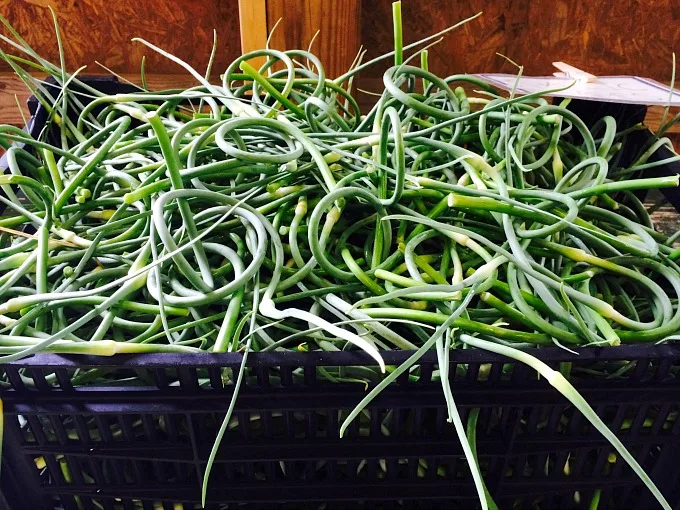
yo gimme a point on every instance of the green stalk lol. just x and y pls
(570, 393)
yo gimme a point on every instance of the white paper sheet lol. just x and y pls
(610, 89)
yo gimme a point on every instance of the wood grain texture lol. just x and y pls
(337, 20)
(253, 26)
(626, 37)
(654, 117)
(101, 30)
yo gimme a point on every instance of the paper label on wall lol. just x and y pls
(610, 89)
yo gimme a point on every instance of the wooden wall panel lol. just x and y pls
(101, 30)
(602, 37)
(338, 21)
(625, 37)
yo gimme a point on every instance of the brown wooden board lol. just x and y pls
(624, 37)
(338, 23)
(100, 30)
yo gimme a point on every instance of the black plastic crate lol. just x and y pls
(133, 447)
(144, 446)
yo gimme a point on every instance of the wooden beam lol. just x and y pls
(338, 23)
(253, 22)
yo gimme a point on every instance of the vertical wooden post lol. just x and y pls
(253, 23)
(338, 23)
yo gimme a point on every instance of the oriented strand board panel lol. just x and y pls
(101, 30)
(338, 22)
(624, 37)
(628, 37)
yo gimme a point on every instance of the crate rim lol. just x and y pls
(344, 358)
